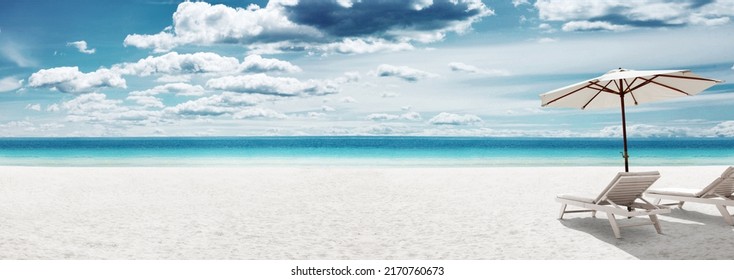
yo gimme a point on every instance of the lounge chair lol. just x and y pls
(718, 193)
(620, 198)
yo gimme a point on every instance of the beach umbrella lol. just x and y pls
(623, 87)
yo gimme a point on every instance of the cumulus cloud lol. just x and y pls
(174, 63)
(402, 72)
(33, 107)
(411, 116)
(256, 63)
(592, 26)
(53, 108)
(462, 67)
(348, 99)
(264, 84)
(517, 3)
(147, 101)
(258, 113)
(70, 79)
(344, 26)
(81, 46)
(179, 89)
(454, 119)
(201, 23)
(622, 15)
(646, 131)
(723, 129)
(362, 46)
(96, 108)
(10, 84)
(216, 105)
(349, 77)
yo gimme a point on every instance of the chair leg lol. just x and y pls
(725, 213)
(563, 211)
(680, 204)
(593, 214)
(657, 201)
(615, 227)
(656, 223)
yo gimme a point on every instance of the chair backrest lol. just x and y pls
(626, 187)
(723, 186)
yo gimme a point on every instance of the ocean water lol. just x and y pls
(362, 151)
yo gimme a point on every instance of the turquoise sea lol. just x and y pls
(362, 151)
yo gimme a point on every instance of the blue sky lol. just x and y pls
(349, 67)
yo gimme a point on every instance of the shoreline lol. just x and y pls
(348, 213)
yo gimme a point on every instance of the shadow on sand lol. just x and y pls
(687, 235)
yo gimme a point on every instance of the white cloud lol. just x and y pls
(546, 40)
(96, 108)
(723, 129)
(520, 2)
(174, 63)
(699, 20)
(454, 119)
(592, 26)
(316, 115)
(411, 116)
(160, 42)
(254, 112)
(264, 84)
(348, 99)
(462, 67)
(53, 108)
(545, 27)
(256, 63)
(70, 79)
(216, 105)
(147, 101)
(622, 15)
(382, 117)
(646, 131)
(81, 46)
(33, 107)
(348, 77)
(180, 89)
(346, 3)
(203, 24)
(9, 84)
(363, 46)
(403, 72)
(327, 108)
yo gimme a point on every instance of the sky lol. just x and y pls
(83, 68)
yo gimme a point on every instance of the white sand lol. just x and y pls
(337, 213)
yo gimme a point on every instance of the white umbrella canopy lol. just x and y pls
(623, 87)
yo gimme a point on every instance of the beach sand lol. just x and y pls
(337, 213)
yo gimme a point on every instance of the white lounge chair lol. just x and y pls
(718, 193)
(620, 198)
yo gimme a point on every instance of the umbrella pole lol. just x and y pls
(624, 135)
